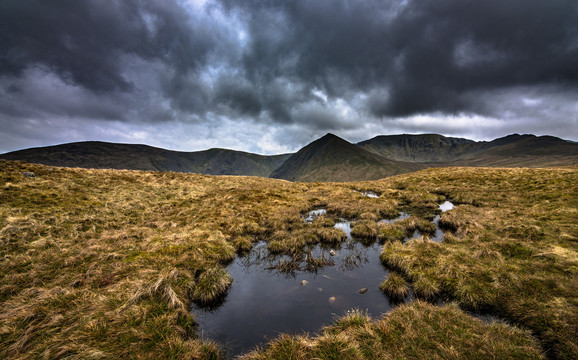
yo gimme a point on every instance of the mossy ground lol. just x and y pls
(104, 263)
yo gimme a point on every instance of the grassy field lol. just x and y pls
(104, 264)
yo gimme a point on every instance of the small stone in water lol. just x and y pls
(362, 291)
(304, 282)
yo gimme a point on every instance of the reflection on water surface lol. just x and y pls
(263, 302)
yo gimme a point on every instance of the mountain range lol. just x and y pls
(329, 158)
(103, 155)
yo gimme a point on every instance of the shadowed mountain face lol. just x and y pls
(520, 151)
(102, 155)
(334, 159)
(329, 158)
(416, 148)
(512, 150)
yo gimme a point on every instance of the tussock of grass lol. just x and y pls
(324, 221)
(368, 216)
(243, 243)
(412, 331)
(414, 223)
(162, 289)
(392, 256)
(486, 253)
(364, 229)
(331, 236)
(395, 287)
(210, 285)
(426, 288)
(352, 318)
(293, 242)
(391, 232)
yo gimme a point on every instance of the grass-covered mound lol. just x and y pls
(412, 331)
(105, 263)
(513, 250)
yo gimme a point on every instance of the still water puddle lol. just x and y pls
(438, 236)
(370, 194)
(314, 214)
(263, 302)
(446, 206)
(402, 216)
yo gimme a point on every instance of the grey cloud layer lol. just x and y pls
(423, 55)
(265, 61)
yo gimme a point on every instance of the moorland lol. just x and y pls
(105, 264)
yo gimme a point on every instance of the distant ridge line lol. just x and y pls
(329, 158)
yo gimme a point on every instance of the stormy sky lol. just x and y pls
(271, 76)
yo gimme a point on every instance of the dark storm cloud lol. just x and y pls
(84, 41)
(300, 66)
(422, 53)
(237, 93)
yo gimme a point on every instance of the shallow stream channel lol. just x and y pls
(264, 302)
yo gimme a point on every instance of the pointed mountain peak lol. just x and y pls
(330, 136)
(331, 158)
(328, 142)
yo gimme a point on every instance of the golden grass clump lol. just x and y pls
(211, 284)
(414, 223)
(162, 288)
(448, 332)
(395, 287)
(352, 318)
(331, 236)
(391, 232)
(393, 255)
(426, 288)
(368, 216)
(243, 243)
(324, 221)
(293, 242)
(486, 253)
(364, 229)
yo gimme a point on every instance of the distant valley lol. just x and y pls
(329, 158)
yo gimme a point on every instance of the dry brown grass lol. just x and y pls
(364, 229)
(104, 263)
(395, 287)
(413, 331)
(498, 255)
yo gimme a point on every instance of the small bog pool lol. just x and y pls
(263, 303)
